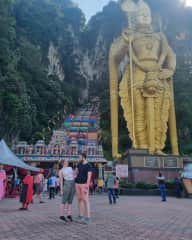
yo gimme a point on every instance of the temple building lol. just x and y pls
(79, 133)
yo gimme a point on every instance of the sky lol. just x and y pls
(189, 3)
(91, 7)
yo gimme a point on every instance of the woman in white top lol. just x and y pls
(67, 190)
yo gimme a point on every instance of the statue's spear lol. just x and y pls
(129, 7)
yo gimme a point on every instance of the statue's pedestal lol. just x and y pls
(144, 167)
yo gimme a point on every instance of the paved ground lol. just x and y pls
(133, 218)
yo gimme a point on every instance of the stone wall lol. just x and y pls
(149, 175)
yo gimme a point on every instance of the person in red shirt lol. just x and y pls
(27, 191)
(3, 181)
(116, 187)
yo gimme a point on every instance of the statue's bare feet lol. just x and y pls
(118, 156)
(176, 153)
(151, 153)
(159, 152)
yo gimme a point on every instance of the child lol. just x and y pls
(116, 187)
(52, 183)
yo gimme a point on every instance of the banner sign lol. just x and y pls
(71, 158)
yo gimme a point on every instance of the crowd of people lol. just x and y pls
(66, 184)
(69, 181)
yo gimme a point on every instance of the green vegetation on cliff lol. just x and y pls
(29, 98)
(45, 53)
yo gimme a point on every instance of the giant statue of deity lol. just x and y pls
(146, 87)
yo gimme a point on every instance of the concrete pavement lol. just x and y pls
(132, 218)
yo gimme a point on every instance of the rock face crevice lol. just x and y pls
(93, 63)
(54, 66)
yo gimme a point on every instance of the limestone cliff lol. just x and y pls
(54, 66)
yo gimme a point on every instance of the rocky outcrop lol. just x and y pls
(54, 67)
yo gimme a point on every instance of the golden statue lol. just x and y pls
(146, 88)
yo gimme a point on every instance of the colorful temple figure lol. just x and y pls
(146, 88)
(27, 191)
(3, 180)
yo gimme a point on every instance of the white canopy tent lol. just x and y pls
(7, 157)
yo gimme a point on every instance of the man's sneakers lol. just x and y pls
(80, 219)
(63, 218)
(87, 221)
(70, 218)
(66, 219)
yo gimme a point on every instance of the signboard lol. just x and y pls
(121, 170)
(170, 162)
(187, 171)
(151, 162)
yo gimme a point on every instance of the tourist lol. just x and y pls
(58, 185)
(94, 185)
(67, 191)
(27, 191)
(52, 183)
(3, 180)
(110, 188)
(38, 186)
(100, 185)
(161, 182)
(45, 185)
(91, 189)
(116, 187)
(178, 187)
(13, 181)
(83, 178)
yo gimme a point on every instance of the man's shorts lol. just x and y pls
(82, 191)
(68, 192)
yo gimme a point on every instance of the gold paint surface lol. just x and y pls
(146, 87)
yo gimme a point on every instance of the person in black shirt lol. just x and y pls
(178, 187)
(82, 181)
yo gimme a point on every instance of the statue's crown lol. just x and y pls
(130, 6)
(142, 7)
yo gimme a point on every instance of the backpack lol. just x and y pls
(50, 182)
